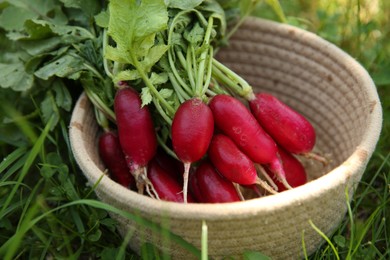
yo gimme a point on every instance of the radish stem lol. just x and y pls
(232, 80)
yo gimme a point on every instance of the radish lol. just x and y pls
(295, 172)
(232, 163)
(165, 185)
(170, 164)
(213, 187)
(234, 119)
(193, 187)
(113, 158)
(136, 134)
(192, 130)
(287, 127)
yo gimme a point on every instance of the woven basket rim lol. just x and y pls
(234, 210)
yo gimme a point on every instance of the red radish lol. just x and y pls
(192, 130)
(194, 188)
(287, 127)
(113, 158)
(234, 119)
(167, 187)
(213, 187)
(170, 164)
(136, 134)
(232, 163)
(295, 172)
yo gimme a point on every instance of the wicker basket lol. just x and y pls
(316, 78)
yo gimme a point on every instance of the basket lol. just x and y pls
(314, 77)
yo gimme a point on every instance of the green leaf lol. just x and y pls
(340, 240)
(134, 20)
(154, 55)
(39, 47)
(67, 66)
(34, 9)
(126, 75)
(144, 45)
(95, 236)
(47, 171)
(109, 223)
(102, 19)
(13, 18)
(166, 93)
(89, 7)
(184, 5)
(38, 29)
(49, 110)
(62, 95)
(14, 76)
(159, 78)
(90, 50)
(146, 96)
(195, 35)
(42, 36)
(41, 53)
(115, 54)
(102, 89)
(69, 33)
(133, 28)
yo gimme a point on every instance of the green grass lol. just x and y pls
(47, 211)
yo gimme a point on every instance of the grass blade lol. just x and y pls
(27, 225)
(277, 8)
(30, 159)
(20, 120)
(11, 158)
(204, 241)
(304, 245)
(326, 239)
(352, 224)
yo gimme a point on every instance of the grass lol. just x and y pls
(46, 211)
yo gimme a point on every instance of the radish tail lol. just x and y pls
(237, 187)
(263, 172)
(185, 178)
(266, 186)
(316, 157)
(276, 167)
(142, 182)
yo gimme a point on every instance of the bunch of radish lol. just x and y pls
(187, 128)
(220, 147)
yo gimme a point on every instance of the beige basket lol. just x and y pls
(313, 76)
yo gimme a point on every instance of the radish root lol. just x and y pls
(185, 179)
(266, 186)
(316, 157)
(142, 182)
(237, 187)
(277, 168)
(262, 171)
